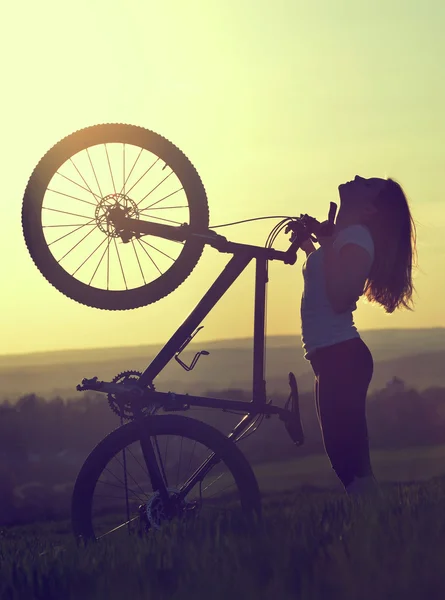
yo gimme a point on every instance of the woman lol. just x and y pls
(370, 252)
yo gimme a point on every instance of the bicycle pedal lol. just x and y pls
(89, 384)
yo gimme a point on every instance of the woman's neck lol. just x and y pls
(345, 219)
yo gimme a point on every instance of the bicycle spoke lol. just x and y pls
(78, 184)
(127, 503)
(151, 258)
(65, 212)
(212, 482)
(190, 461)
(164, 198)
(166, 450)
(98, 265)
(82, 177)
(198, 471)
(120, 486)
(134, 480)
(167, 207)
(161, 463)
(75, 246)
(118, 527)
(143, 468)
(123, 166)
(73, 197)
(111, 172)
(139, 262)
(108, 495)
(142, 176)
(157, 249)
(91, 254)
(94, 173)
(108, 266)
(120, 262)
(67, 234)
(71, 225)
(131, 171)
(155, 188)
(179, 462)
(210, 504)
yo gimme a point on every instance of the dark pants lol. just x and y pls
(342, 376)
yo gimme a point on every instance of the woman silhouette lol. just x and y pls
(370, 252)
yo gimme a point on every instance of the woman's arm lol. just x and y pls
(308, 247)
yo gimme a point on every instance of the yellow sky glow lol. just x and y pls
(274, 104)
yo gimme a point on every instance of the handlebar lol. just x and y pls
(304, 227)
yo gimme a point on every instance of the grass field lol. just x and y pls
(312, 544)
(406, 465)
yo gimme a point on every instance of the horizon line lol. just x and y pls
(283, 335)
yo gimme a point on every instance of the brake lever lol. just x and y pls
(300, 228)
(332, 211)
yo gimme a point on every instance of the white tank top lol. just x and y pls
(320, 325)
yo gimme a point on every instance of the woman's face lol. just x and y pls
(357, 196)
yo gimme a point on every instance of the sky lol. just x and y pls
(275, 104)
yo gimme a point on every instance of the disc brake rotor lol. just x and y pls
(110, 208)
(154, 511)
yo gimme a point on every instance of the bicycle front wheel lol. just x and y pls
(113, 496)
(66, 219)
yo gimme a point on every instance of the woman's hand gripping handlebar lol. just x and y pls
(305, 228)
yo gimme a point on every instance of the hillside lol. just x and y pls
(415, 355)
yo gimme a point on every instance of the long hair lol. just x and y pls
(393, 231)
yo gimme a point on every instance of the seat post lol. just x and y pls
(259, 383)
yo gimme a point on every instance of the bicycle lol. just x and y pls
(118, 217)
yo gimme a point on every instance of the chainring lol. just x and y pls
(122, 407)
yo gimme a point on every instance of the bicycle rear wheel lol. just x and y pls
(68, 232)
(112, 495)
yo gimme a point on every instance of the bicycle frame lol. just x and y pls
(242, 255)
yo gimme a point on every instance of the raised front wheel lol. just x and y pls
(68, 231)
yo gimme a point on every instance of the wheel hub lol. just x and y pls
(154, 513)
(111, 210)
(155, 509)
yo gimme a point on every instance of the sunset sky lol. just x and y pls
(275, 104)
